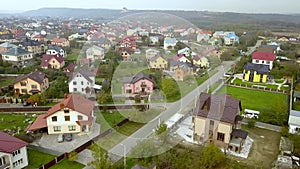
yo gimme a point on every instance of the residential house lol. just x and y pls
(125, 53)
(103, 42)
(40, 38)
(170, 43)
(216, 119)
(265, 50)
(141, 83)
(203, 37)
(158, 62)
(200, 61)
(127, 43)
(294, 122)
(52, 61)
(180, 58)
(274, 46)
(152, 53)
(185, 51)
(35, 47)
(263, 58)
(82, 81)
(6, 34)
(154, 41)
(13, 152)
(62, 42)
(5, 47)
(231, 39)
(72, 115)
(32, 83)
(182, 69)
(69, 69)
(256, 73)
(17, 56)
(54, 50)
(95, 53)
(215, 41)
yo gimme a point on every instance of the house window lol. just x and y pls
(16, 153)
(268, 62)
(74, 83)
(210, 133)
(54, 118)
(72, 128)
(220, 136)
(57, 128)
(79, 117)
(82, 89)
(211, 122)
(23, 83)
(66, 111)
(256, 61)
(81, 82)
(75, 89)
(34, 86)
(2, 161)
(67, 118)
(24, 90)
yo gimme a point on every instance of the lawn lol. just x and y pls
(214, 86)
(37, 159)
(118, 135)
(270, 86)
(74, 55)
(107, 119)
(267, 103)
(6, 81)
(13, 121)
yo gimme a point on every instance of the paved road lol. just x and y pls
(129, 143)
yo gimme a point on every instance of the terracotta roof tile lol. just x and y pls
(9, 144)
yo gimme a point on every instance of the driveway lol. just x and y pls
(49, 141)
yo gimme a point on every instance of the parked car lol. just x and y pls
(68, 137)
(251, 114)
(60, 138)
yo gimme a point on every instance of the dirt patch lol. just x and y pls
(265, 148)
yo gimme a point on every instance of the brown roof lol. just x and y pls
(85, 122)
(59, 40)
(84, 72)
(267, 50)
(218, 107)
(75, 102)
(39, 123)
(37, 76)
(9, 144)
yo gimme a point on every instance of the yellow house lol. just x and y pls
(256, 73)
(158, 62)
(217, 120)
(35, 82)
(52, 62)
(201, 61)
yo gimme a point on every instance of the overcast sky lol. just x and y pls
(248, 6)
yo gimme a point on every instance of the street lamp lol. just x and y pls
(124, 154)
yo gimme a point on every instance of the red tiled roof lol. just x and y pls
(75, 102)
(39, 123)
(263, 56)
(59, 40)
(47, 58)
(9, 144)
(85, 122)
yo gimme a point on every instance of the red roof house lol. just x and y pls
(264, 58)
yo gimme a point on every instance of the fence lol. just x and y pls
(83, 146)
(46, 108)
(263, 88)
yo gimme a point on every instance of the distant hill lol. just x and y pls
(203, 19)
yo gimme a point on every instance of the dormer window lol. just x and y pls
(54, 118)
(66, 111)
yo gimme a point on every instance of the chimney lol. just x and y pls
(62, 106)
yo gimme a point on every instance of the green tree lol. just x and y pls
(37, 98)
(73, 156)
(104, 97)
(61, 84)
(171, 89)
(212, 156)
(162, 132)
(101, 158)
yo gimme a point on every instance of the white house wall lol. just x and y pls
(64, 124)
